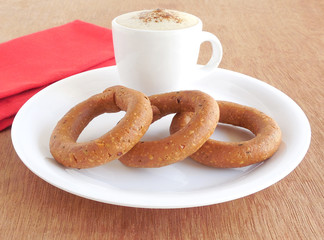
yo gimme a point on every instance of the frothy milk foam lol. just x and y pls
(158, 19)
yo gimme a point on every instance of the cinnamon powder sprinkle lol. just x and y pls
(159, 15)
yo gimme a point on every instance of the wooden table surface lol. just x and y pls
(279, 42)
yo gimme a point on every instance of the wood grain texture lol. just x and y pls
(279, 42)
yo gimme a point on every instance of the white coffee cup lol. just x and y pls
(157, 61)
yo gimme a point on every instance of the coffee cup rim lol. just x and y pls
(114, 22)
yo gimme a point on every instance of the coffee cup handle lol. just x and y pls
(217, 52)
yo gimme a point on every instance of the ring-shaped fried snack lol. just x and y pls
(236, 154)
(183, 143)
(120, 139)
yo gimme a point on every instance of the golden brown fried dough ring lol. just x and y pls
(183, 143)
(236, 154)
(111, 145)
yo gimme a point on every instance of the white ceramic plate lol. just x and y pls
(184, 184)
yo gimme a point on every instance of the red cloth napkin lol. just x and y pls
(32, 62)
